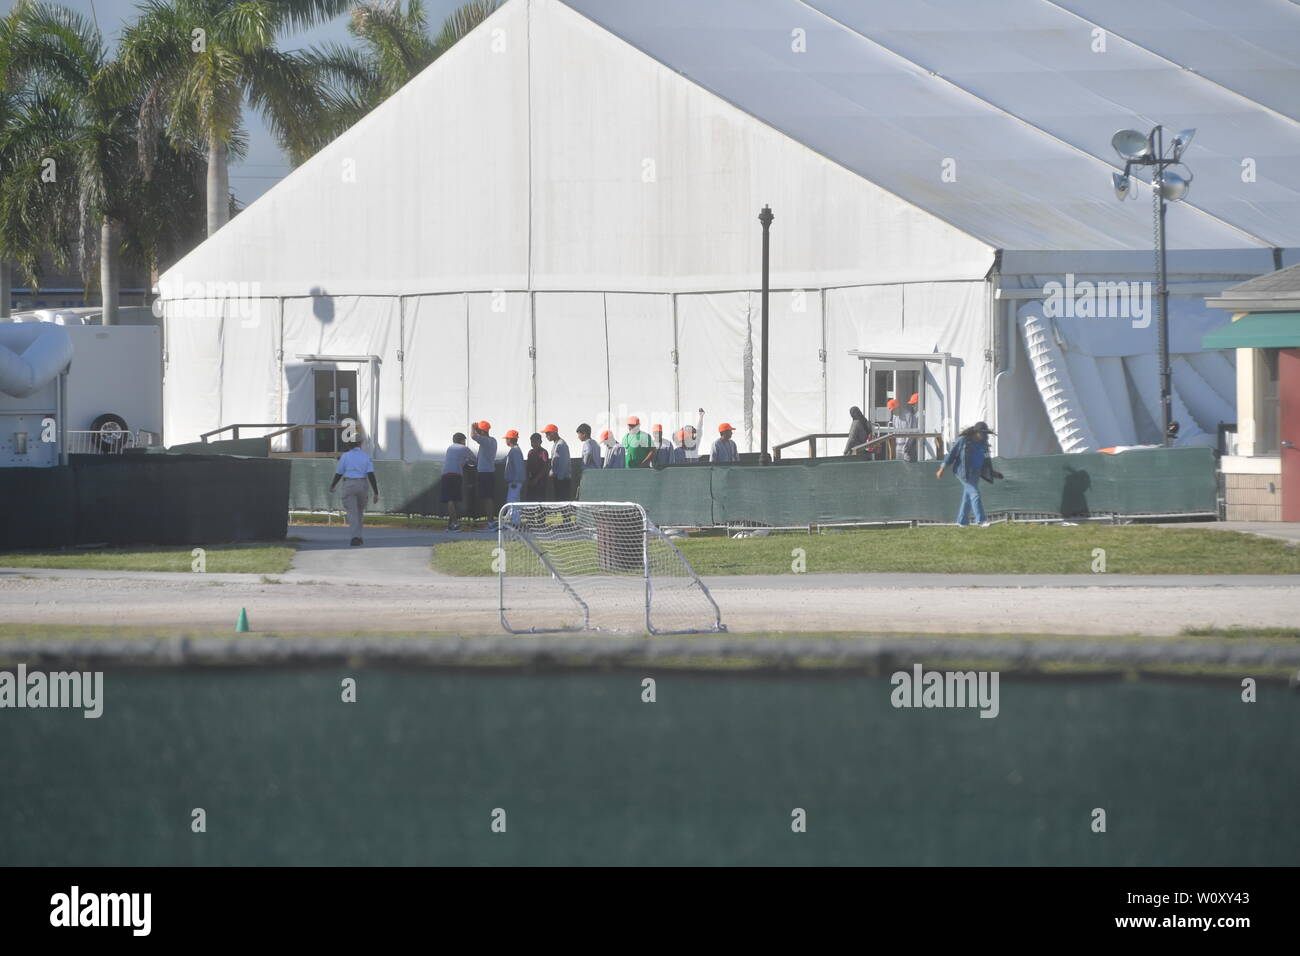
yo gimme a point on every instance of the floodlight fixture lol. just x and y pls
(1181, 142)
(1131, 145)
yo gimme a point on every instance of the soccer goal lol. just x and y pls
(595, 565)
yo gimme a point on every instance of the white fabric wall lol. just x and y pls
(796, 400)
(500, 369)
(572, 360)
(713, 336)
(192, 375)
(436, 383)
(250, 386)
(642, 377)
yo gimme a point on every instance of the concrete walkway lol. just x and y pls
(389, 555)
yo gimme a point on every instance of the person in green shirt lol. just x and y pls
(638, 446)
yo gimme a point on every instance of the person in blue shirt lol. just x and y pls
(971, 460)
(354, 469)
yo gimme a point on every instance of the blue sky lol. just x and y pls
(265, 164)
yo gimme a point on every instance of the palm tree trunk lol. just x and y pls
(108, 276)
(218, 186)
(6, 289)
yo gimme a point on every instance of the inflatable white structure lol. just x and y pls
(557, 221)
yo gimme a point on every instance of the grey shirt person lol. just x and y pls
(515, 472)
(724, 449)
(591, 457)
(487, 453)
(905, 448)
(561, 464)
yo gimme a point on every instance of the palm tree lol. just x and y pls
(68, 142)
(395, 47)
(72, 161)
(200, 59)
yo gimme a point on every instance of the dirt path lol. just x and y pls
(865, 603)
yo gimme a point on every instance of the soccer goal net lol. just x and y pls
(595, 565)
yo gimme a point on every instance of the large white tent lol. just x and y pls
(557, 222)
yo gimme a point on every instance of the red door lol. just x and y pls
(1288, 421)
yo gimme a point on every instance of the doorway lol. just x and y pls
(336, 400)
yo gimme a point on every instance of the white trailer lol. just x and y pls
(72, 388)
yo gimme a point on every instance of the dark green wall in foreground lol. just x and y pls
(588, 773)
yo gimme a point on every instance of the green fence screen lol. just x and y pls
(1145, 481)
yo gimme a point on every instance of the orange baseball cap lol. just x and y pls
(725, 427)
(656, 428)
(485, 426)
(550, 428)
(914, 399)
(633, 420)
(892, 403)
(605, 434)
(512, 434)
(680, 434)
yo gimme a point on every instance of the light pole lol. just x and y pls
(1167, 185)
(765, 217)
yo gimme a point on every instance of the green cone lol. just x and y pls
(241, 627)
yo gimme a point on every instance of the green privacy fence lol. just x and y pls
(405, 487)
(586, 772)
(1146, 481)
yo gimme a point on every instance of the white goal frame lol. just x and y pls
(649, 532)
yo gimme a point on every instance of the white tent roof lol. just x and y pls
(545, 152)
(1014, 92)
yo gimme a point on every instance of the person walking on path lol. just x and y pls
(970, 460)
(724, 449)
(354, 469)
(515, 473)
(454, 462)
(487, 470)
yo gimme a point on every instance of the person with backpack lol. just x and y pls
(971, 460)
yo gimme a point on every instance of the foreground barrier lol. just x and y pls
(437, 750)
(145, 499)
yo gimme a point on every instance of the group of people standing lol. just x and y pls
(526, 476)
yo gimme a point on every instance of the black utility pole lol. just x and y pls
(765, 217)
(1162, 291)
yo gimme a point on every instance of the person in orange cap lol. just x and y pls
(561, 464)
(906, 421)
(638, 447)
(724, 449)
(487, 470)
(614, 453)
(663, 446)
(515, 473)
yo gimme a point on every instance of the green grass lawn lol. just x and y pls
(244, 558)
(1000, 549)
